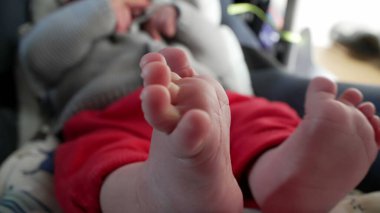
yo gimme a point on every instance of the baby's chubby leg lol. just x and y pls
(326, 157)
(189, 167)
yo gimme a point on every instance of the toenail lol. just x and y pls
(143, 73)
(143, 94)
(175, 76)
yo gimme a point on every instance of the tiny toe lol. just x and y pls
(367, 108)
(378, 120)
(151, 57)
(178, 61)
(156, 73)
(375, 122)
(157, 108)
(319, 89)
(351, 96)
(175, 76)
(173, 90)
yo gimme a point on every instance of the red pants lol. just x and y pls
(98, 142)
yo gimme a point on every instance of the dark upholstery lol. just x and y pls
(277, 85)
(12, 15)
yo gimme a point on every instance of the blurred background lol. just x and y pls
(338, 39)
(351, 19)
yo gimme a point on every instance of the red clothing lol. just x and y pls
(100, 141)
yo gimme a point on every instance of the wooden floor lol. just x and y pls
(347, 69)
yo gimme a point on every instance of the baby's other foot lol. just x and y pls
(346, 126)
(327, 156)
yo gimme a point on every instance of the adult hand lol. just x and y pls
(125, 11)
(162, 23)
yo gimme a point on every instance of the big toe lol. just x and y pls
(320, 89)
(321, 84)
(178, 61)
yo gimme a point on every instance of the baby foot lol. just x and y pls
(348, 126)
(327, 156)
(189, 167)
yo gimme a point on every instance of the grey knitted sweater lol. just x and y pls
(74, 61)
